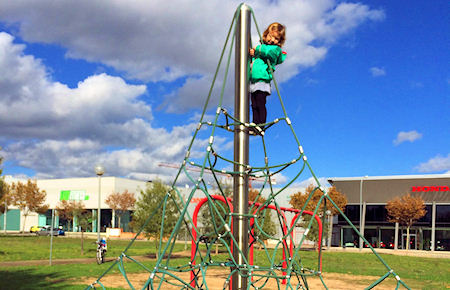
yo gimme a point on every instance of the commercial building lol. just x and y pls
(367, 198)
(87, 190)
(82, 189)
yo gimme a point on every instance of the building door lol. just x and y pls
(12, 220)
(412, 241)
(42, 220)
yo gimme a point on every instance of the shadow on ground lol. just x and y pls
(29, 279)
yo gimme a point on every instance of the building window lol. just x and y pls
(426, 219)
(387, 238)
(442, 240)
(443, 215)
(376, 213)
(48, 217)
(371, 236)
(352, 213)
(350, 238)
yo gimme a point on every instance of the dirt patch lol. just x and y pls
(215, 279)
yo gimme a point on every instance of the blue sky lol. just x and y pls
(366, 85)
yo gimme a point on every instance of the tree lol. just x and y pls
(66, 209)
(147, 204)
(4, 189)
(264, 218)
(84, 219)
(207, 221)
(405, 210)
(120, 203)
(299, 199)
(5, 196)
(28, 198)
(75, 209)
(2, 182)
(5, 199)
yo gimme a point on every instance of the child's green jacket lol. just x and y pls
(260, 71)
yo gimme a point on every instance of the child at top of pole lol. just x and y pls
(269, 51)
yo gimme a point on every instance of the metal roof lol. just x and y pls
(388, 177)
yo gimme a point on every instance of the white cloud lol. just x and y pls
(58, 131)
(76, 157)
(33, 106)
(435, 164)
(410, 136)
(153, 41)
(377, 72)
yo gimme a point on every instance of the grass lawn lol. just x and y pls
(59, 276)
(418, 273)
(38, 248)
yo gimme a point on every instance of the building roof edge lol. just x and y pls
(388, 177)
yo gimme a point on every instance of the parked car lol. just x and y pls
(349, 245)
(34, 229)
(46, 231)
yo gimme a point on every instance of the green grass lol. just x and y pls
(38, 248)
(418, 273)
(63, 276)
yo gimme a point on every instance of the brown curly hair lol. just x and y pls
(280, 28)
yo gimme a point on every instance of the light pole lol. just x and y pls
(330, 227)
(99, 170)
(361, 219)
(4, 214)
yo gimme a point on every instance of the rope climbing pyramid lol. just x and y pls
(238, 265)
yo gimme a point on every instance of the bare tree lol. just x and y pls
(76, 209)
(65, 209)
(5, 196)
(28, 198)
(299, 199)
(84, 219)
(5, 200)
(264, 218)
(4, 192)
(406, 210)
(120, 202)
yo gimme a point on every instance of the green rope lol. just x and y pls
(273, 266)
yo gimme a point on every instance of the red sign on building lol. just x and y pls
(430, 188)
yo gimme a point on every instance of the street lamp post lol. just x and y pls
(99, 170)
(330, 227)
(361, 212)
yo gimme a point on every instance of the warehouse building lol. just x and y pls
(88, 190)
(367, 198)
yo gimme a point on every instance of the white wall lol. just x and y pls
(89, 185)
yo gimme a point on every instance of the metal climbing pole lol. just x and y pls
(240, 181)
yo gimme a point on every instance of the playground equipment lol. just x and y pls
(237, 222)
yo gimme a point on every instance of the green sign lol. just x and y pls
(73, 195)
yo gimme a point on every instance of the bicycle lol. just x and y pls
(101, 250)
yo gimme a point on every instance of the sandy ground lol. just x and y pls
(216, 277)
